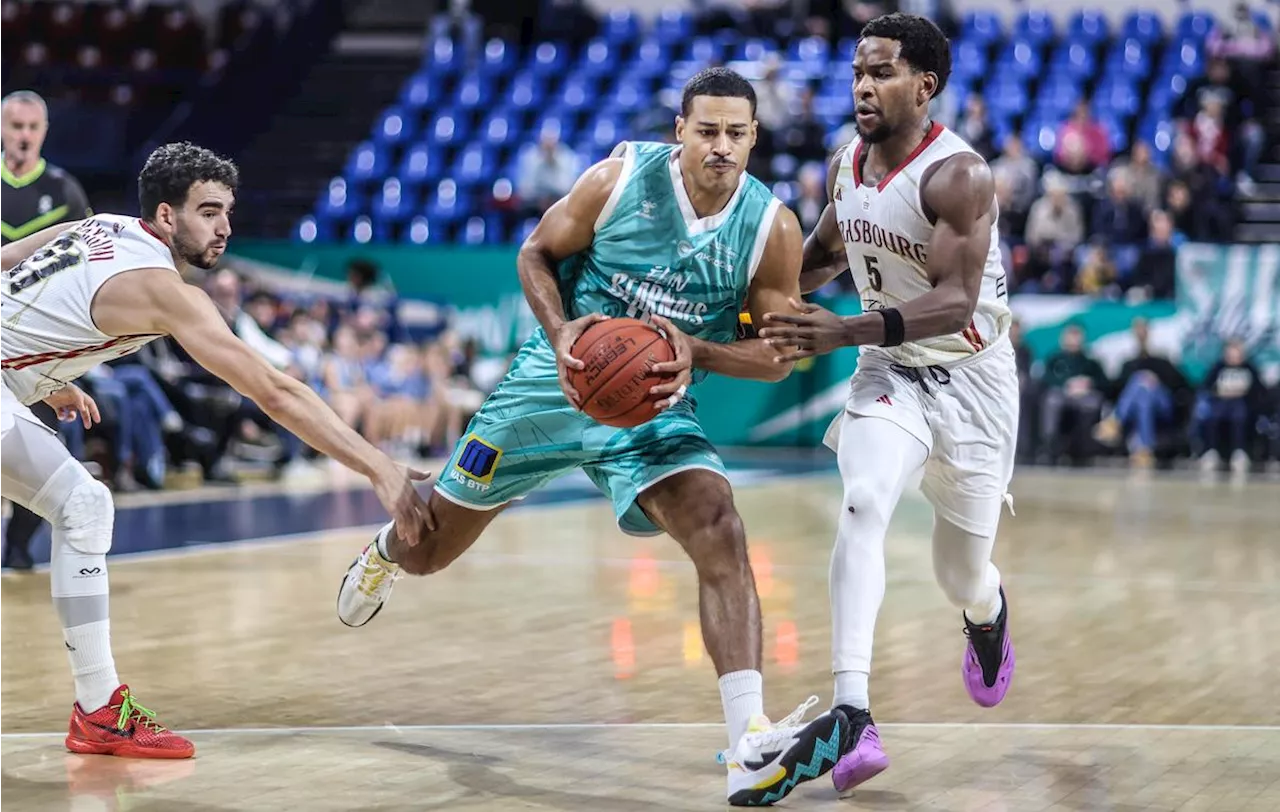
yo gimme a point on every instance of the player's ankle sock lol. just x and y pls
(851, 690)
(384, 536)
(986, 612)
(94, 669)
(742, 694)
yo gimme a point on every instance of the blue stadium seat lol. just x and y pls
(652, 59)
(968, 59)
(499, 58)
(473, 231)
(500, 129)
(447, 204)
(1194, 25)
(339, 201)
(1075, 60)
(1118, 95)
(810, 49)
(1185, 58)
(786, 191)
(673, 25)
(448, 129)
(395, 126)
(418, 232)
(598, 59)
(1129, 57)
(1057, 95)
(393, 205)
(1036, 26)
(982, 26)
(362, 230)
(1090, 27)
(526, 228)
(443, 59)
(367, 163)
(1159, 132)
(314, 229)
(621, 28)
(1117, 132)
(420, 166)
(1144, 26)
(704, 50)
(420, 92)
(1006, 95)
(1165, 92)
(474, 165)
(549, 59)
(577, 94)
(605, 134)
(753, 50)
(474, 93)
(525, 93)
(846, 49)
(1040, 137)
(630, 95)
(1020, 58)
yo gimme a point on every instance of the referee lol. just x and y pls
(35, 195)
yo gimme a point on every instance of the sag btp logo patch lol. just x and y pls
(478, 459)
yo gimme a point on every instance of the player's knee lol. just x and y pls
(718, 547)
(86, 517)
(960, 583)
(867, 499)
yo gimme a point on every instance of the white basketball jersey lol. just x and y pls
(49, 337)
(886, 236)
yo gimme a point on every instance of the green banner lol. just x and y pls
(1229, 292)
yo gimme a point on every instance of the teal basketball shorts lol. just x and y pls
(527, 434)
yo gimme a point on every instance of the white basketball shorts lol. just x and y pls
(965, 413)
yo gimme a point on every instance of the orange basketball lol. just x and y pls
(619, 354)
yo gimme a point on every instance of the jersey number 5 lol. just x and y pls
(873, 273)
(62, 253)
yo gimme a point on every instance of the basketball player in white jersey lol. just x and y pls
(80, 293)
(934, 400)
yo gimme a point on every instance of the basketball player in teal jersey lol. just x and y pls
(680, 235)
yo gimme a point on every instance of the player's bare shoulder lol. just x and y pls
(957, 188)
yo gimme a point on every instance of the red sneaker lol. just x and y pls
(124, 728)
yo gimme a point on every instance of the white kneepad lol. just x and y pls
(79, 507)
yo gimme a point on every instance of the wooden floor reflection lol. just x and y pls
(1146, 613)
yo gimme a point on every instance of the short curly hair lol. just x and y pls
(924, 47)
(171, 171)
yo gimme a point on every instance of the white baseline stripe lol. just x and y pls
(392, 728)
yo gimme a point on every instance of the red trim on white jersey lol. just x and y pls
(929, 138)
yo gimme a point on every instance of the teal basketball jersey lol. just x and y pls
(653, 254)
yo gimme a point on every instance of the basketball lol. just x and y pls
(614, 385)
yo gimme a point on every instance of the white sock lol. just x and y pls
(92, 666)
(381, 543)
(851, 689)
(986, 611)
(742, 694)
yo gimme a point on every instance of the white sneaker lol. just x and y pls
(1209, 461)
(367, 584)
(771, 760)
(1240, 462)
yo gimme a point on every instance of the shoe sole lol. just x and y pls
(811, 757)
(339, 611)
(124, 750)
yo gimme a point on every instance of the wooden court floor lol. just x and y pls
(558, 666)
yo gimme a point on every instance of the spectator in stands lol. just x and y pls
(975, 127)
(1118, 218)
(1203, 216)
(1055, 227)
(566, 21)
(1083, 145)
(1147, 390)
(1207, 132)
(345, 386)
(1244, 45)
(813, 196)
(397, 414)
(1232, 392)
(1022, 174)
(367, 290)
(1144, 179)
(1097, 275)
(1153, 276)
(1073, 387)
(1177, 204)
(803, 135)
(546, 173)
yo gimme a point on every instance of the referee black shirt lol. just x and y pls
(43, 197)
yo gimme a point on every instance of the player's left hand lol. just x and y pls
(815, 331)
(680, 370)
(71, 402)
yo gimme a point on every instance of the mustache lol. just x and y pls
(719, 162)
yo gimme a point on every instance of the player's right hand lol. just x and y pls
(394, 486)
(563, 342)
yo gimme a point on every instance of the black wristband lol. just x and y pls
(894, 330)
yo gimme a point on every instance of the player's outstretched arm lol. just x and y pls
(776, 284)
(157, 301)
(824, 254)
(15, 252)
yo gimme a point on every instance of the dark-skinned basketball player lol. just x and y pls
(681, 235)
(934, 400)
